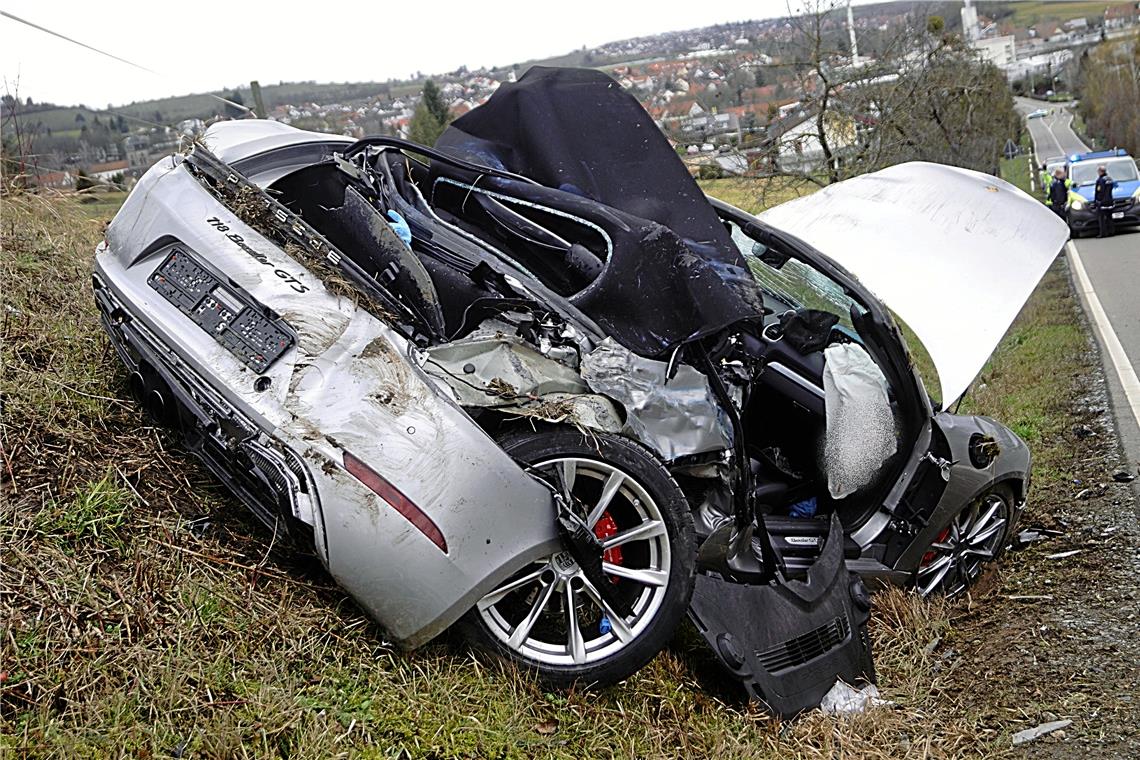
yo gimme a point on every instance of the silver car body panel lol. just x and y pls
(978, 244)
(965, 482)
(348, 385)
(675, 416)
(234, 140)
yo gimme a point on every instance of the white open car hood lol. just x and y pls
(953, 253)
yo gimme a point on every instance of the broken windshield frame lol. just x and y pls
(796, 283)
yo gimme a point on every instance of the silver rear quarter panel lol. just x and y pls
(350, 384)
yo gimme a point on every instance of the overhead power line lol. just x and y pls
(45, 30)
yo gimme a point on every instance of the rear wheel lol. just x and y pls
(549, 616)
(976, 535)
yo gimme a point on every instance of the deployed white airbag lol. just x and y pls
(860, 425)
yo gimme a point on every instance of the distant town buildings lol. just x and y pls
(722, 94)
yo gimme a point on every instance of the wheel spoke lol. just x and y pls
(933, 582)
(613, 484)
(500, 593)
(942, 546)
(648, 529)
(568, 473)
(985, 554)
(522, 630)
(620, 628)
(988, 533)
(643, 576)
(935, 565)
(983, 522)
(573, 629)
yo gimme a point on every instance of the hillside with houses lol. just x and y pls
(731, 97)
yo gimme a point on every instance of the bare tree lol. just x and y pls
(1110, 76)
(922, 94)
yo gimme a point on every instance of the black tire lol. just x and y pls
(645, 495)
(966, 544)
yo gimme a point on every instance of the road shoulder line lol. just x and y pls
(1128, 379)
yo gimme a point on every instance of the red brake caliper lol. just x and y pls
(929, 556)
(603, 529)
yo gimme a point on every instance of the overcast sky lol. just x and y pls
(201, 45)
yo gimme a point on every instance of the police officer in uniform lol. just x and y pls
(1059, 193)
(1102, 200)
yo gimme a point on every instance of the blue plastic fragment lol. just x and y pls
(805, 508)
(400, 226)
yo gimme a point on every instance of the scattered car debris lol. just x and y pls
(844, 699)
(1123, 476)
(1083, 431)
(1033, 535)
(1030, 734)
(1063, 555)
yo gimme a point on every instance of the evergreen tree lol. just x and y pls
(433, 99)
(424, 128)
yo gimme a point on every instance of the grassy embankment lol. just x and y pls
(145, 614)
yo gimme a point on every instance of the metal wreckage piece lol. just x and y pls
(786, 640)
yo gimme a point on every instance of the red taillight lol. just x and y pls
(395, 499)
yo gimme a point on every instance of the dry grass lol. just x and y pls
(145, 614)
(755, 195)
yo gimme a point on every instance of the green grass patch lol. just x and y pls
(1017, 171)
(755, 195)
(102, 205)
(95, 513)
(1026, 13)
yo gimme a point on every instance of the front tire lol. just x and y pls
(549, 617)
(976, 535)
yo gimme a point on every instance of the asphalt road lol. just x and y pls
(1106, 273)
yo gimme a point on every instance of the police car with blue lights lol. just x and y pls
(1121, 167)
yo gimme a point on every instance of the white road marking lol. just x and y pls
(1049, 129)
(1128, 380)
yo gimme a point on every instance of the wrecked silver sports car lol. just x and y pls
(533, 382)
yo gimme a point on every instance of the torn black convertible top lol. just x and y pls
(587, 142)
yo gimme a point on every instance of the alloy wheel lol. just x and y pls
(972, 538)
(550, 612)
